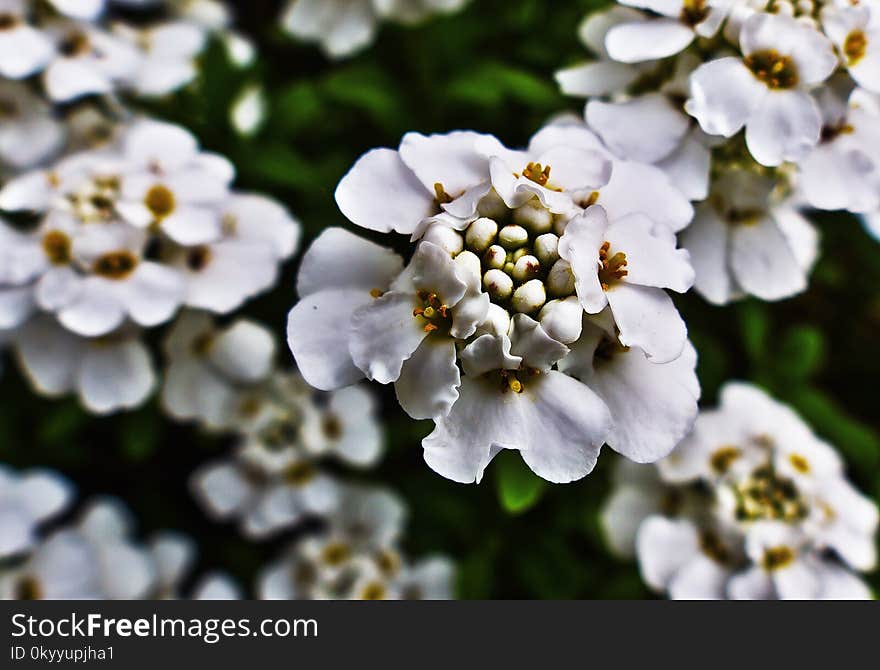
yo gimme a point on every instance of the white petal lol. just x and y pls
(244, 351)
(452, 160)
(381, 193)
(116, 376)
(652, 259)
(24, 50)
(647, 40)
(598, 78)
(707, 241)
(724, 94)
(664, 546)
(648, 319)
(646, 128)
(429, 380)
(48, 354)
(557, 424)
(45, 493)
(700, 579)
(762, 261)
(222, 489)
(656, 196)
(318, 333)
(339, 259)
(384, 333)
(579, 245)
(154, 293)
(784, 127)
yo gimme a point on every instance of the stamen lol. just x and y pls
(440, 194)
(772, 68)
(376, 293)
(777, 557)
(855, 46)
(537, 173)
(115, 265)
(612, 268)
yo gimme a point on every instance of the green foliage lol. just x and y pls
(519, 489)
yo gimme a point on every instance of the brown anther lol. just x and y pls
(693, 12)
(855, 46)
(772, 68)
(440, 194)
(537, 173)
(612, 268)
(376, 293)
(722, 458)
(57, 247)
(777, 557)
(431, 327)
(418, 311)
(115, 265)
(590, 200)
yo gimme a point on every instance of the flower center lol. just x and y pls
(537, 173)
(766, 495)
(160, 201)
(331, 426)
(432, 312)
(374, 591)
(388, 562)
(831, 133)
(8, 21)
(28, 588)
(721, 459)
(75, 44)
(772, 68)
(300, 473)
(693, 12)
(713, 547)
(855, 46)
(115, 265)
(613, 265)
(57, 246)
(197, 258)
(777, 557)
(335, 553)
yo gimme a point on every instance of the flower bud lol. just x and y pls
(529, 297)
(534, 216)
(519, 253)
(497, 321)
(492, 206)
(562, 319)
(497, 284)
(513, 237)
(526, 267)
(480, 234)
(444, 237)
(468, 268)
(547, 249)
(495, 257)
(560, 280)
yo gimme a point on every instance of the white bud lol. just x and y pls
(526, 267)
(495, 257)
(519, 253)
(513, 237)
(534, 216)
(497, 321)
(559, 225)
(547, 249)
(562, 319)
(480, 234)
(445, 238)
(468, 268)
(492, 206)
(529, 297)
(498, 284)
(560, 280)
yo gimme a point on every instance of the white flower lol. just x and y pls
(843, 171)
(626, 265)
(679, 23)
(510, 398)
(750, 505)
(653, 405)
(168, 55)
(855, 31)
(108, 374)
(343, 27)
(28, 500)
(170, 183)
(257, 235)
(209, 368)
(29, 133)
(249, 110)
(745, 239)
(766, 90)
(87, 61)
(24, 50)
(602, 76)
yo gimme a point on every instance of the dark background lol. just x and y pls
(489, 68)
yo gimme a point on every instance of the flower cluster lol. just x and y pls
(225, 379)
(756, 110)
(116, 239)
(344, 27)
(532, 313)
(752, 505)
(94, 556)
(356, 557)
(77, 50)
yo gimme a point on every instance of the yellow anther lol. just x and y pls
(440, 194)
(515, 385)
(537, 173)
(855, 46)
(612, 267)
(430, 327)
(429, 312)
(376, 293)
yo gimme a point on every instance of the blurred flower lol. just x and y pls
(751, 505)
(275, 480)
(343, 27)
(28, 500)
(355, 557)
(29, 132)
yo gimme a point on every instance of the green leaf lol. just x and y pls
(755, 325)
(519, 489)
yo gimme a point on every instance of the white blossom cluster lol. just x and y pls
(752, 505)
(533, 312)
(344, 27)
(118, 239)
(94, 556)
(356, 557)
(78, 48)
(757, 110)
(224, 377)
